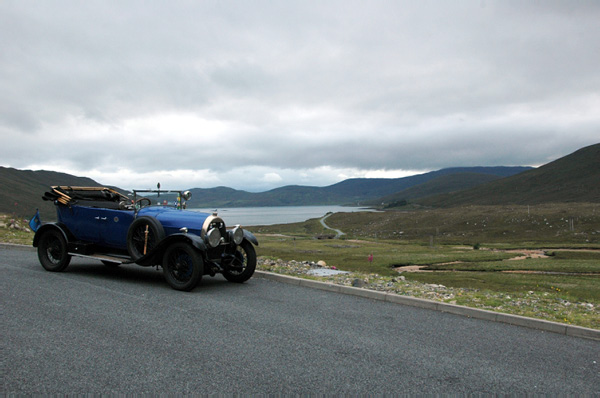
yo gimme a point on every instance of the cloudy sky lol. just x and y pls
(260, 94)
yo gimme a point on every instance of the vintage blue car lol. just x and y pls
(149, 230)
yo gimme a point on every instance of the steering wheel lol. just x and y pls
(141, 201)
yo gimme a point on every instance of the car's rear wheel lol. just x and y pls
(143, 236)
(52, 251)
(182, 266)
(242, 267)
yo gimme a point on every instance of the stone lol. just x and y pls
(321, 263)
(358, 283)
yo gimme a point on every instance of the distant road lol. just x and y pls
(337, 231)
(94, 329)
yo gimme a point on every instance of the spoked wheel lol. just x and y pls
(52, 251)
(182, 266)
(243, 266)
(143, 236)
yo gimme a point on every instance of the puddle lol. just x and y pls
(326, 272)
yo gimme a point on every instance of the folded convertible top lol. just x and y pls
(68, 195)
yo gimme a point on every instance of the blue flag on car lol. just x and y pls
(35, 221)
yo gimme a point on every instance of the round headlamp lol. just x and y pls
(237, 235)
(213, 237)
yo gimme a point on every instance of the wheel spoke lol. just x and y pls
(180, 266)
(52, 251)
(243, 264)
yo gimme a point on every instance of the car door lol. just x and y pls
(82, 221)
(114, 225)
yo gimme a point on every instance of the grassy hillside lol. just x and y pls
(357, 189)
(218, 197)
(22, 190)
(571, 224)
(573, 178)
(443, 184)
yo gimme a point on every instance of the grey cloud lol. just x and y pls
(299, 85)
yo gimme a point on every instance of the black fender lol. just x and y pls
(250, 237)
(155, 256)
(69, 237)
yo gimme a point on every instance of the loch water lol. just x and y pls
(250, 216)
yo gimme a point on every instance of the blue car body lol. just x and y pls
(108, 227)
(104, 224)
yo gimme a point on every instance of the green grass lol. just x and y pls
(10, 235)
(352, 255)
(573, 223)
(566, 299)
(570, 287)
(531, 265)
(575, 255)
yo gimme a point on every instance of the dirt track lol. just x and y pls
(524, 254)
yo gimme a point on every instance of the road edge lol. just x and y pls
(517, 320)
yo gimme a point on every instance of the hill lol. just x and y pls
(22, 190)
(355, 191)
(440, 185)
(291, 195)
(573, 178)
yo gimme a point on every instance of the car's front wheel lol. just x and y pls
(243, 265)
(52, 251)
(182, 266)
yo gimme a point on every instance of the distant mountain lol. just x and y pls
(291, 195)
(352, 191)
(439, 185)
(573, 178)
(360, 189)
(218, 197)
(22, 190)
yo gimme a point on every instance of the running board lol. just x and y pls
(104, 257)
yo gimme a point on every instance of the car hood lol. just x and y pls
(173, 220)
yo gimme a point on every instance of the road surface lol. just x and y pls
(337, 231)
(93, 329)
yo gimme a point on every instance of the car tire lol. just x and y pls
(245, 258)
(136, 236)
(182, 266)
(52, 251)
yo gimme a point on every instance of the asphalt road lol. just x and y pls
(337, 231)
(92, 329)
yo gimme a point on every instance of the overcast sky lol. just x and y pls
(260, 94)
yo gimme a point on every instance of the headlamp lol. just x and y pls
(237, 235)
(213, 237)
